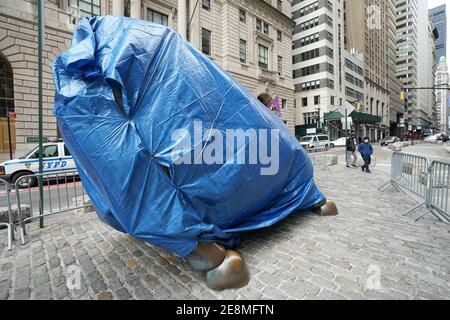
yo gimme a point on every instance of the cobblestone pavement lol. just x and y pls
(303, 257)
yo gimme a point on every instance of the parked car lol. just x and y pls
(315, 141)
(338, 142)
(433, 138)
(443, 137)
(388, 140)
(57, 158)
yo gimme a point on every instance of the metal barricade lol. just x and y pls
(59, 189)
(319, 157)
(439, 191)
(409, 174)
(428, 184)
(5, 199)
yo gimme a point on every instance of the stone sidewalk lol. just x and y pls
(369, 251)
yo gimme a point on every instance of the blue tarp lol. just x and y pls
(132, 150)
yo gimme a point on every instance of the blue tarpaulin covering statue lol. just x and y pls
(171, 149)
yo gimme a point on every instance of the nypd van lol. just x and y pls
(56, 158)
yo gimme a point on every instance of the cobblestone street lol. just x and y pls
(303, 257)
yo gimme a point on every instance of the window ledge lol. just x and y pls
(263, 36)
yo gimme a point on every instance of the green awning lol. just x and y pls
(332, 116)
(365, 118)
(360, 117)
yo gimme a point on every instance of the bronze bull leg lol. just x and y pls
(226, 269)
(325, 208)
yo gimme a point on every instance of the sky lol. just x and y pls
(435, 3)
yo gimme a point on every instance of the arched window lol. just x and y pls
(6, 105)
(6, 87)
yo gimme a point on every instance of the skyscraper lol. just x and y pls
(318, 43)
(439, 20)
(441, 94)
(416, 38)
(370, 29)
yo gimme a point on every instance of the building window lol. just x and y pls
(265, 28)
(283, 103)
(243, 51)
(309, 8)
(279, 35)
(86, 8)
(304, 102)
(156, 17)
(6, 104)
(6, 88)
(306, 71)
(262, 26)
(332, 101)
(263, 57)
(242, 15)
(280, 5)
(311, 85)
(280, 65)
(206, 4)
(310, 117)
(316, 100)
(258, 25)
(206, 41)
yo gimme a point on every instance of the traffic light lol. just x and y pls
(402, 96)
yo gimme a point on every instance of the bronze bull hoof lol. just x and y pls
(325, 208)
(232, 273)
(206, 256)
(320, 204)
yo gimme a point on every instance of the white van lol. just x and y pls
(57, 158)
(315, 141)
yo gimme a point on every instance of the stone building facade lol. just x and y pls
(370, 29)
(251, 39)
(19, 55)
(415, 63)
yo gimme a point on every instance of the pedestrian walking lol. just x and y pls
(366, 151)
(350, 148)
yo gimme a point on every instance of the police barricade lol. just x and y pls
(439, 191)
(62, 192)
(321, 158)
(409, 174)
(425, 183)
(6, 215)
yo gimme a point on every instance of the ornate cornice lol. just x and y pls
(264, 10)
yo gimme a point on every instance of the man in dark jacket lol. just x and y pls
(350, 150)
(366, 151)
